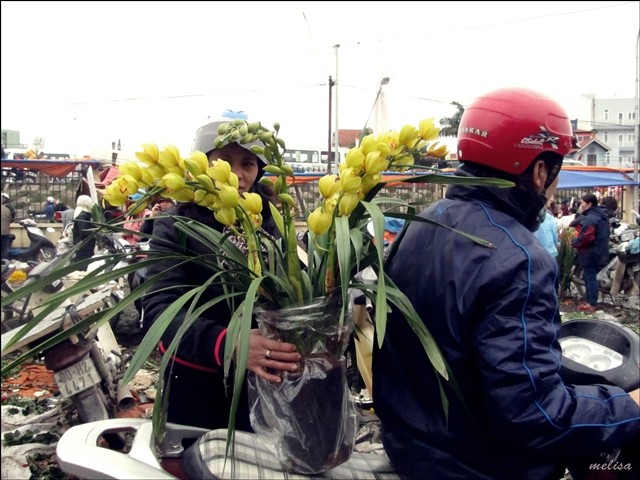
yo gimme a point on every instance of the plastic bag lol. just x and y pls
(310, 417)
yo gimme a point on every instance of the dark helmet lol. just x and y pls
(206, 135)
(508, 128)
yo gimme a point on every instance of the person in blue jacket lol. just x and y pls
(547, 232)
(493, 311)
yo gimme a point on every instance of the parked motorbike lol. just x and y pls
(88, 365)
(622, 272)
(21, 311)
(40, 248)
(594, 351)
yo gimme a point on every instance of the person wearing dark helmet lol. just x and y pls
(198, 394)
(493, 311)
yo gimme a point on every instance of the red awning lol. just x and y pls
(53, 168)
(107, 176)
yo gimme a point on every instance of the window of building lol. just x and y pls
(606, 137)
(632, 116)
(631, 138)
(620, 118)
(620, 140)
(606, 115)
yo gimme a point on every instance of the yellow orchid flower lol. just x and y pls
(220, 171)
(354, 158)
(370, 181)
(206, 182)
(348, 202)
(427, 129)
(375, 163)
(156, 171)
(329, 185)
(173, 181)
(150, 154)
(319, 221)
(182, 195)
(408, 135)
(438, 150)
(197, 164)
(169, 157)
(114, 196)
(132, 169)
(147, 179)
(229, 197)
(350, 180)
(251, 202)
(226, 216)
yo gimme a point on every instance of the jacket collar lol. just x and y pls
(523, 205)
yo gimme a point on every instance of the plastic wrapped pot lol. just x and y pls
(310, 417)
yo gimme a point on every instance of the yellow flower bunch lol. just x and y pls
(363, 166)
(166, 174)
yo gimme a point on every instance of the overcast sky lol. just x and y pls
(82, 74)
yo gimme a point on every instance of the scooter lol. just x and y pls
(40, 248)
(593, 351)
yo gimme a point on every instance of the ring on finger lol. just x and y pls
(267, 354)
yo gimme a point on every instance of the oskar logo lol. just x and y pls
(540, 139)
(474, 131)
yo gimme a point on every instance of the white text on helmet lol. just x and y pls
(475, 131)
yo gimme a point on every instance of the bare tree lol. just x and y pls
(38, 144)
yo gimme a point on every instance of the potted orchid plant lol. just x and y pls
(265, 277)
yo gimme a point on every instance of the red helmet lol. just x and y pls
(508, 128)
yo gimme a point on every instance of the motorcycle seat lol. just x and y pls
(253, 459)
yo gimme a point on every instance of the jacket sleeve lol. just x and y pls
(586, 237)
(202, 346)
(527, 401)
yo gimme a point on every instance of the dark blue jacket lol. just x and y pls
(592, 242)
(494, 314)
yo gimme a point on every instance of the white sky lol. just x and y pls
(82, 74)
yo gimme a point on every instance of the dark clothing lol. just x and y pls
(11, 209)
(198, 396)
(83, 228)
(592, 242)
(592, 247)
(494, 314)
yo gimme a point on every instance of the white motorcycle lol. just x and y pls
(87, 365)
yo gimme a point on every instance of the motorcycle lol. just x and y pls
(89, 364)
(593, 351)
(40, 248)
(621, 273)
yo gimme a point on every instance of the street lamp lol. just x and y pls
(383, 81)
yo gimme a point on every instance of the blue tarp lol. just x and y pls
(580, 179)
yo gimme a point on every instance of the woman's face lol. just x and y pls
(243, 163)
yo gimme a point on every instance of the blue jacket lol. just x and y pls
(493, 311)
(547, 233)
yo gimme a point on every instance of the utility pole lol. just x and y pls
(636, 160)
(336, 136)
(330, 140)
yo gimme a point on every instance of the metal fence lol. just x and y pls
(28, 189)
(307, 197)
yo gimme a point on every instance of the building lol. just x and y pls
(613, 123)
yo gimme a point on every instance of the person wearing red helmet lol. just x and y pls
(493, 311)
